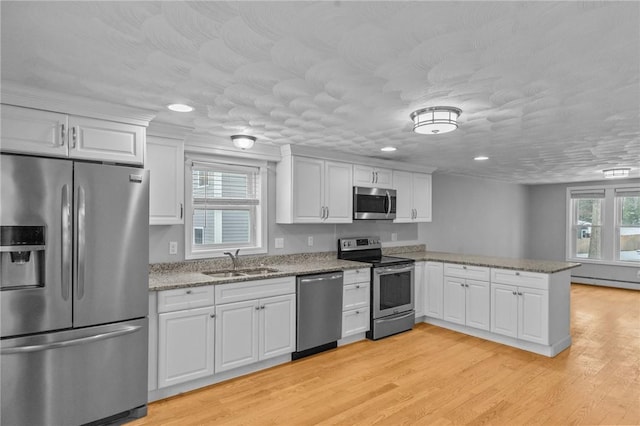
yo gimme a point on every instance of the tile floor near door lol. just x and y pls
(435, 376)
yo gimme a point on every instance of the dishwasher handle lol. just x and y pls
(321, 278)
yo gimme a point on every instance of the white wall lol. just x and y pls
(477, 216)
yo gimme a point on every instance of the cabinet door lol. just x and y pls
(237, 326)
(504, 310)
(422, 197)
(363, 176)
(102, 140)
(26, 130)
(478, 303)
(434, 281)
(403, 183)
(383, 178)
(419, 289)
(355, 296)
(277, 326)
(338, 195)
(165, 161)
(533, 315)
(355, 321)
(185, 345)
(308, 186)
(454, 300)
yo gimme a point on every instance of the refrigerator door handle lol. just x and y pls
(70, 342)
(81, 243)
(66, 242)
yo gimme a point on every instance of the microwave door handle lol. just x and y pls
(388, 203)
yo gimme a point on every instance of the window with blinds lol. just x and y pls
(225, 206)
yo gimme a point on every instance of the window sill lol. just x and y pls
(630, 264)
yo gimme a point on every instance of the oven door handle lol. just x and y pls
(393, 269)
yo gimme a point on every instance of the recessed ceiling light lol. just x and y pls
(180, 108)
(481, 158)
(388, 149)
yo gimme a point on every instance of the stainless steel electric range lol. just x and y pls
(392, 285)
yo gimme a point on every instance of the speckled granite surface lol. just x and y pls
(167, 276)
(529, 265)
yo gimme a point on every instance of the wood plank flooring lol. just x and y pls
(435, 376)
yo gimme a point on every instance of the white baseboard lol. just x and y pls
(605, 283)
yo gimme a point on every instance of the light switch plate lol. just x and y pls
(173, 247)
(310, 241)
(394, 236)
(279, 242)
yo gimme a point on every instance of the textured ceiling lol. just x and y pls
(550, 91)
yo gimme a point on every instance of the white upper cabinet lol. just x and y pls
(165, 161)
(413, 197)
(311, 190)
(26, 130)
(373, 177)
(32, 131)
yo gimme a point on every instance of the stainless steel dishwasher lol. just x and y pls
(319, 313)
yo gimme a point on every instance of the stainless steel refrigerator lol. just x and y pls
(73, 291)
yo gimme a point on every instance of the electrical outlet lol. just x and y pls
(394, 236)
(309, 241)
(173, 247)
(279, 242)
(638, 273)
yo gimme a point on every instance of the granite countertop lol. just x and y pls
(168, 276)
(528, 265)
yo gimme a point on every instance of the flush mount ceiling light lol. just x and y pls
(180, 108)
(243, 141)
(481, 158)
(616, 173)
(435, 120)
(388, 149)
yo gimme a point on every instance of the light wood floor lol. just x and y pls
(434, 376)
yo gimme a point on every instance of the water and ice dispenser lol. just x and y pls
(22, 252)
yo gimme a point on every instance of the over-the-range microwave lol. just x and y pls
(374, 203)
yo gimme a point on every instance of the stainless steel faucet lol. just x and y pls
(234, 258)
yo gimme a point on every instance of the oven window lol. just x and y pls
(395, 290)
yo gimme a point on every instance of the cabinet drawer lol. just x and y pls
(355, 296)
(466, 271)
(355, 321)
(357, 276)
(185, 298)
(248, 290)
(520, 278)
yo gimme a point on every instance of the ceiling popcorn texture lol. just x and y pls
(550, 91)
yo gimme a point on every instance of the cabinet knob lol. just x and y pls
(517, 274)
(519, 294)
(357, 312)
(357, 285)
(188, 291)
(461, 285)
(257, 308)
(212, 315)
(464, 267)
(262, 307)
(514, 293)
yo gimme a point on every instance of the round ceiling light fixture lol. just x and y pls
(619, 172)
(435, 120)
(388, 149)
(180, 107)
(243, 141)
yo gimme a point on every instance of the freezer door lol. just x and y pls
(35, 283)
(74, 377)
(111, 281)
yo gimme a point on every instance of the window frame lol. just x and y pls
(259, 246)
(610, 230)
(618, 219)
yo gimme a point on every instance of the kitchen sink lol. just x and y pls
(239, 272)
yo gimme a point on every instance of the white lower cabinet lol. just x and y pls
(433, 289)
(253, 330)
(467, 301)
(419, 289)
(520, 312)
(355, 301)
(185, 345)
